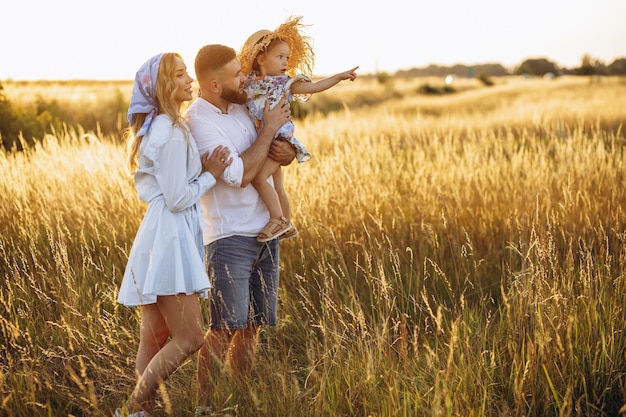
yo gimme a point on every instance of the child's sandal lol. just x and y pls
(273, 229)
(289, 234)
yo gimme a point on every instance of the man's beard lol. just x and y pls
(234, 96)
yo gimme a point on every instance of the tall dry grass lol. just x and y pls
(459, 255)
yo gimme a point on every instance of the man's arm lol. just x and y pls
(255, 156)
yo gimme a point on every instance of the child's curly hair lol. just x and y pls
(302, 57)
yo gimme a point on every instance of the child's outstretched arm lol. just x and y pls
(325, 84)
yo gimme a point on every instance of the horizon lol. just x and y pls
(511, 69)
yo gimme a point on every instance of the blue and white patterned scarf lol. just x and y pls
(143, 99)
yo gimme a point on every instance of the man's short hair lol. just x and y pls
(211, 58)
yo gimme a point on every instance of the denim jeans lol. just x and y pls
(244, 279)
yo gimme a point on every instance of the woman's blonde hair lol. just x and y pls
(165, 92)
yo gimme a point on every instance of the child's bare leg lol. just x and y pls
(282, 194)
(266, 191)
(277, 224)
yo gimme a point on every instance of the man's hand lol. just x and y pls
(256, 155)
(282, 152)
(278, 116)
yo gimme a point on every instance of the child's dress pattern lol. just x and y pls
(273, 88)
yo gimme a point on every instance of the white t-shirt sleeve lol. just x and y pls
(208, 137)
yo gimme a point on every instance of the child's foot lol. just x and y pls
(289, 234)
(273, 229)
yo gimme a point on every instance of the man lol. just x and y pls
(243, 272)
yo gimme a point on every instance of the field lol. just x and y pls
(460, 255)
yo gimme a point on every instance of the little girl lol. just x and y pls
(271, 60)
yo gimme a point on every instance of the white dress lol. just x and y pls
(167, 256)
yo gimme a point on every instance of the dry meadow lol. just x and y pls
(459, 255)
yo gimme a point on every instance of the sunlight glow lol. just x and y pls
(70, 39)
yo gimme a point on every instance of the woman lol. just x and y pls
(165, 273)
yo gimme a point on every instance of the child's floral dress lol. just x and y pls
(261, 88)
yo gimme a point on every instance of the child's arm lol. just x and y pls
(321, 85)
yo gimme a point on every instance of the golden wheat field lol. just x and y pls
(459, 255)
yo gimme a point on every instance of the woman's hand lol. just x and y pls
(217, 162)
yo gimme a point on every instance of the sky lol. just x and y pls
(109, 40)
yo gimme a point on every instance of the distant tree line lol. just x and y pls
(25, 124)
(530, 66)
(28, 122)
(492, 70)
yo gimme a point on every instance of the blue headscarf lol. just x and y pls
(143, 99)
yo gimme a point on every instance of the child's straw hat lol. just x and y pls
(302, 56)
